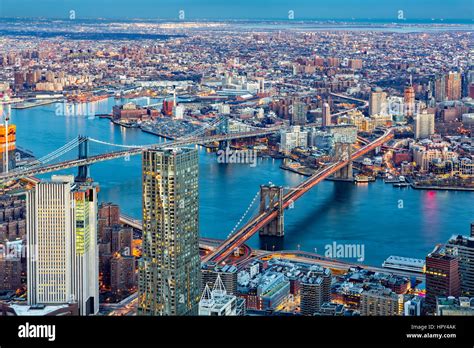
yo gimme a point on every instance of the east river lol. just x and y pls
(386, 220)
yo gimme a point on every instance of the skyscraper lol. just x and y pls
(409, 100)
(440, 88)
(169, 271)
(462, 247)
(62, 262)
(377, 102)
(326, 115)
(453, 86)
(298, 116)
(442, 276)
(448, 87)
(424, 125)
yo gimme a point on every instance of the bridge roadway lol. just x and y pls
(204, 243)
(251, 227)
(18, 174)
(309, 258)
(291, 255)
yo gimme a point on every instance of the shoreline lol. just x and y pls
(29, 105)
(441, 188)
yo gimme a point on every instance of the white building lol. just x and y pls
(178, 112)
(293, 138)
(377, 102)
(223, 109)
(217, 302)
(424, 125)
(62, 253)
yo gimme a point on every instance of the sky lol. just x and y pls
(240, 9)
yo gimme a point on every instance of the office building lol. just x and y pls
(169, 271)
(462, 248)
(228, 274)
(442, 276)
(272, 289)
(62, 254)
(217, 302)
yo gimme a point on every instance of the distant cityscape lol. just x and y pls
(168, 114)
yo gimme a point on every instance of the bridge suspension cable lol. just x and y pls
(197, 132)
(55, 154)
(118, 145)
(244, 215)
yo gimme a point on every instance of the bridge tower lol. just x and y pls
(270, 196)
(83, 171)
(342, 152)
(223, 128)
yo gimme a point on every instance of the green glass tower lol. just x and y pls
(169, 271)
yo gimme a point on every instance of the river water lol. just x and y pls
(385, 220)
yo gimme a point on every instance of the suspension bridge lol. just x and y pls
(269, 220)
(47, 164)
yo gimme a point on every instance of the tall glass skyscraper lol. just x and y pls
(169, 271)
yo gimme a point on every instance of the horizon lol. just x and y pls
(419, 10)
(460, 21)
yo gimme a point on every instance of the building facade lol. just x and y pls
(442, 277)
(381, 302)
(62, 252)
(315, 289)
(424, 125)
(462, 247)
(169, 271)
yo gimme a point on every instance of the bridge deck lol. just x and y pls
(254, 225)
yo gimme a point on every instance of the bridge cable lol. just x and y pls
(244, 215)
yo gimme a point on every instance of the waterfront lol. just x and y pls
(386, 220)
